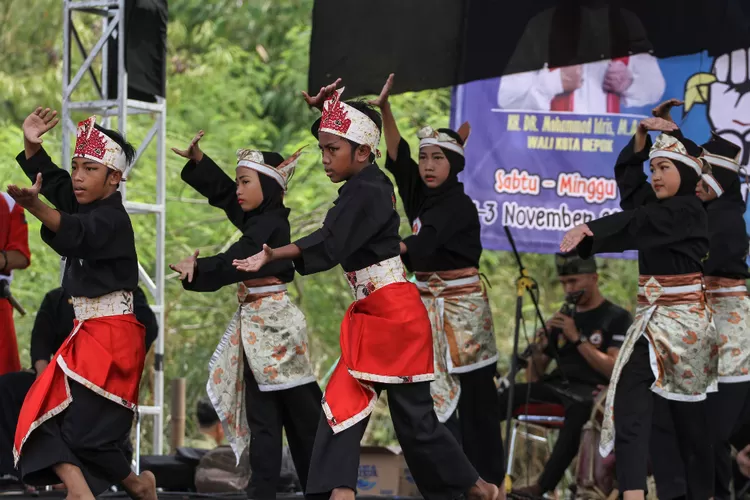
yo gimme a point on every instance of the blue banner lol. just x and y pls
(543, 144)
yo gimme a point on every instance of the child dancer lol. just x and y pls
(444, 252)
(274, 386)
(80, 409)
(668, 348)
(725, 275)
(386, 339)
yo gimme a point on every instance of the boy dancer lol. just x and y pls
(81, 408)
(386, 338)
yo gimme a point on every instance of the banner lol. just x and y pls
(541, 155)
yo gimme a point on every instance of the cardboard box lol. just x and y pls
(383, 472)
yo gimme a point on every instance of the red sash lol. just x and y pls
(9, 360)
(105, 354)
(385, 337)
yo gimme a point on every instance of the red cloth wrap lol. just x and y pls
(385, 337)
(106, 355)
(9, 360)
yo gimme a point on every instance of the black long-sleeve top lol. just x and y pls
(671, 235)
(270, 227)
(727, 235)
(448, 234)
(54, 322)
(360, 230)
(96, 239)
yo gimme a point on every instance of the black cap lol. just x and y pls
(570, 263)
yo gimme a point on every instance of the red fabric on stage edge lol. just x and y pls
(385, 337)
(9, 360)
(106, 355)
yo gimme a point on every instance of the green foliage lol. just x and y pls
(235, 70)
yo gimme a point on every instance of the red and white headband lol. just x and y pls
(95, 145)
(345, 121)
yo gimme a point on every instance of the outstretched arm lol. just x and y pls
(28, 198)
(255, 262)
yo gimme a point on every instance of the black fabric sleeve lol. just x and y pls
(145, 316)
(43, 333)
(406, 172)
(651, 225)
(631, 180)
(355, 219)
(82, 235)
(57, 186)
(217, 271)
(216, 186)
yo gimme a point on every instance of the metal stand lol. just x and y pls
(111, 15)
(524, 284)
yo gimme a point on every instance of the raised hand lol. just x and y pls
(38, 123)
(664, 109)
(193, 151)
(186, 267)
(254, 262)
(658, 125)
(574, 236)
(382, 99)
(26, 197)
(325, 93)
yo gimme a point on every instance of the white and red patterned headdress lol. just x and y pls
(345, 121)
(667, 146)
(256, 160)
(95, 145)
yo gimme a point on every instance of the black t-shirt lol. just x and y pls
(604, 327)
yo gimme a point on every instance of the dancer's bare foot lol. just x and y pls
(342, 494)
(142, 487)
(482, 490)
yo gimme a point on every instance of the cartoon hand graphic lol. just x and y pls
(729, 104)
(726, 91)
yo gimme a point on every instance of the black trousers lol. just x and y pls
(633, 412)
(479, 416)
(13, 389)
(296, 411)
(88, 434)
(727, 410)
(439, 467)
(577, 413)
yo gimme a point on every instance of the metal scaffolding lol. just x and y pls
(111, 15)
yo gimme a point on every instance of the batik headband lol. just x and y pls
(93, 144)
(348, 122)
(667, 146)
(253, 159)
(431, 137)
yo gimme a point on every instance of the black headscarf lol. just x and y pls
(273, 194)
(451, 186)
